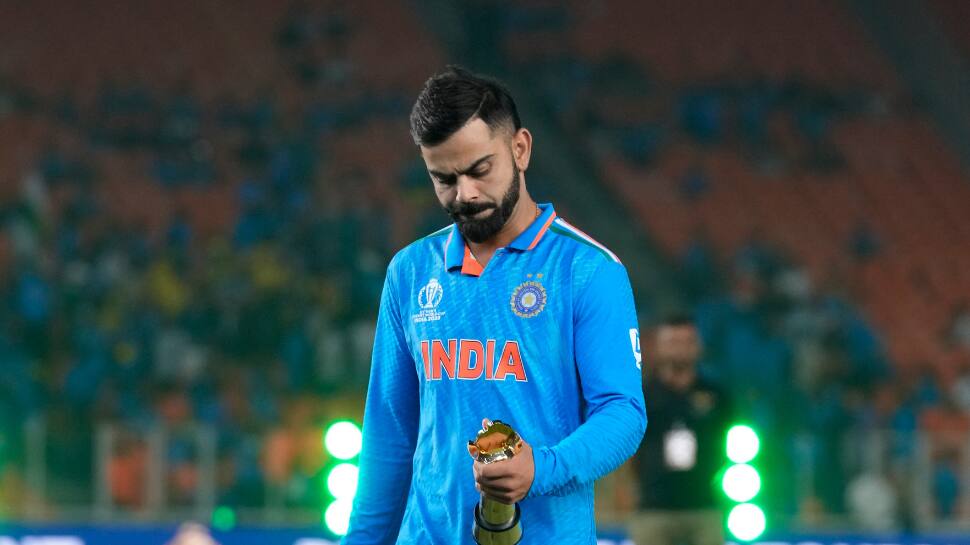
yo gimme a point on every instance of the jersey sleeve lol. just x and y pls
(608, 361)
(390, 430)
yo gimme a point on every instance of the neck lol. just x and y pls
(522, 217)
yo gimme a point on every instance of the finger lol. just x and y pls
(504, 497)
(504, 486)
(498, 495)
(498, 487)
(490, 480)
(491, 472)
(504, 468)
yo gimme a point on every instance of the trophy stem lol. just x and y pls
(496, 514)
(507, 530)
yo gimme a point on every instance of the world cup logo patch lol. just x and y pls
(528, 299)
(430, 296)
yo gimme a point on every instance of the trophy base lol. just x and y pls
(487, 534)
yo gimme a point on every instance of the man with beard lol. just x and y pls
(510, 313)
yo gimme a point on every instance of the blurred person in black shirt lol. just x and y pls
(683, 449)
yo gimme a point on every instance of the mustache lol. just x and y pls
(469, 208)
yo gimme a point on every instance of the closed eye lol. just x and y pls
(481, 167)
(444, 180)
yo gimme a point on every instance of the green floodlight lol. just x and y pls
(746, 522)
(342, 481)
(337, 516)
(742, 444)
(224, 518)
(741, 482)
(343, 440)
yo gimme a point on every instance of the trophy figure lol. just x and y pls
(495, 522)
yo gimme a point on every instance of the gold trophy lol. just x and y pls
(496, 523)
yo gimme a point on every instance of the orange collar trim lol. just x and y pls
(470, 265)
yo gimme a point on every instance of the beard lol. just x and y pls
(480, 230)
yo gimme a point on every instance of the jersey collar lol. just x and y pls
(529, 238)
(458, 256)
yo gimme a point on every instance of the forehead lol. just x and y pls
(676, 334)
(466, 146)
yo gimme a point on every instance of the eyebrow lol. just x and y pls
(446, 176)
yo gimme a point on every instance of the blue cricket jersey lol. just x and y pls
(544, 338)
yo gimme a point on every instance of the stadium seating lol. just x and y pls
(899, 174)
(263, 142)
(779, 134)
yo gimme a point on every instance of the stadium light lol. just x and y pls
(337, 516)
(224, 518)
(342, 481)
(741, 482)
(343, 440)
(746, 522)
(742, 444)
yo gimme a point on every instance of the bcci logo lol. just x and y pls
(528, 299)
(430, 295)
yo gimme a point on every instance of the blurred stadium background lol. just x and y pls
(198, 200)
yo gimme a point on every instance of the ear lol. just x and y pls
(473, 450)
(522, 148)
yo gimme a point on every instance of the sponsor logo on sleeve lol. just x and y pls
(635, 341)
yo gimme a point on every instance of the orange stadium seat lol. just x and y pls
(900, 176)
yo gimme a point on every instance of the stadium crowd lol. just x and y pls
(246, 315)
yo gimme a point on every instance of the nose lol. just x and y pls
(467, 189)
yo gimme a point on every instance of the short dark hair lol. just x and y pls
(454, 97)
(677, 318)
